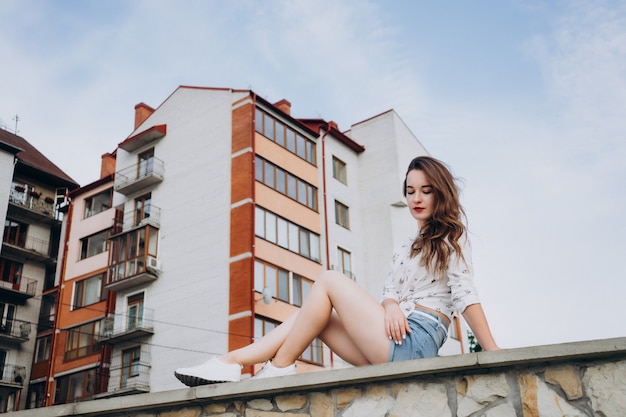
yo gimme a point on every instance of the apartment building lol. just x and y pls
(33, 192)
(207, 228)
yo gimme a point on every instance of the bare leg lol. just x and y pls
(262, 349)
(335, 336)
(361, 319)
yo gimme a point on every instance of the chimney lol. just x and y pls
(107, 165)
(284, 106)
(142, 112)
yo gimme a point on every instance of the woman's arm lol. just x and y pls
(475, 317)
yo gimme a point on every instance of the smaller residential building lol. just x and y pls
(33, 192)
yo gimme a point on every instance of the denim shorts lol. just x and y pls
(428, 333)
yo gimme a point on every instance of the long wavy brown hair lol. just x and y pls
(439, 237)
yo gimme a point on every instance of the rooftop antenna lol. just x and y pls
(17, 119)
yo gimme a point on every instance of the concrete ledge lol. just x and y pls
(417, 370)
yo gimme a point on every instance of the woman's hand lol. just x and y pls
(396, 324)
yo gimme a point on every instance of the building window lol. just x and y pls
(42, 349)
(36, 395)
(286, 183)
(47, 312)
(452, 329)
(339, 170)
(145, 165)
(93, 245)
(11, 273)
(15, 233)
(129, 253)
(342, 217)
(285, 136)
(131, 359)
(135, 312)
(98, 203)
(142, 208)
(82, 341)
(313, 353)
(284, 285)
(7, 315)
(88, 291)
(70, 388)
(288, 235)
(344, 259)
(272, 277)
(300, 289)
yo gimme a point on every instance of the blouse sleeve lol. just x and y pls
(461, 277)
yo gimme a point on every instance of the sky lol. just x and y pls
(524, 100)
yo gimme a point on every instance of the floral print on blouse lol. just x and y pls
(410, 284)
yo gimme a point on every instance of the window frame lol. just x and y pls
(299, 240)
(92, 201)
(286, 183)
(131, 362)
(64, 383)
(75, 346)
(342, 214)
(340, 172)
(264, 325)
(290, 139)
(43, 346)
(79, 291)
(87, 244)
(145, 163)
(341, 261)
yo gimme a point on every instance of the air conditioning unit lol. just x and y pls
(153, 265)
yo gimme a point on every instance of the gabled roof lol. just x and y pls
(333, 130)
(34, 162)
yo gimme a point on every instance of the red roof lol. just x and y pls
(30, 158)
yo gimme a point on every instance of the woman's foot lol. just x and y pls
(210, 372)
(270, 371)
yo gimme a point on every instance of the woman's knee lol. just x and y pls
(329, 277)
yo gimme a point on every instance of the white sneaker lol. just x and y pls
(270, 371)
(210, 372)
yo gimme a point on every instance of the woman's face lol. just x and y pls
(420, 196)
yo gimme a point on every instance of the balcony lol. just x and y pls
(132, 325)
(129, 378)
(139, 176)
(18, 292)
(15, 331)
(29, 248)
(31, 206)
(12, 376)
(138, 382)
(132, 273)
(131, 219)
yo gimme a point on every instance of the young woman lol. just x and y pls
(430, 279)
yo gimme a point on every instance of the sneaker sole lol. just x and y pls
(194, 381)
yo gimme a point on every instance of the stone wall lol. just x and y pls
(574, 379)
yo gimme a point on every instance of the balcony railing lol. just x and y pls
(132, 325)
(131, 379)
(132, 273)
(30, 246)
(138, 176)
(21, 290)
(33, 201)
(12, 375)
(16, 331)
(131, 219)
